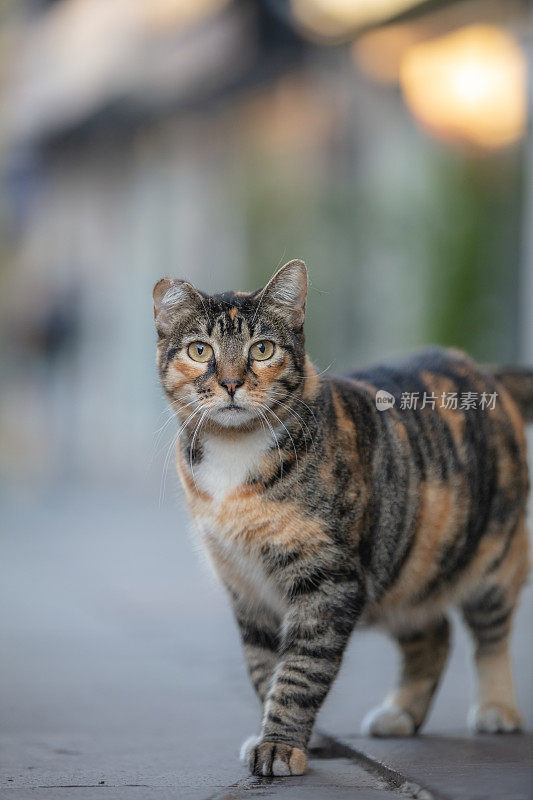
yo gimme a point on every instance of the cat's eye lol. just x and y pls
(199, 351)
(260, 351)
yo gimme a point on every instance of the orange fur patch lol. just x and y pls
(181, 372)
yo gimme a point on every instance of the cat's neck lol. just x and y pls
(227, 462)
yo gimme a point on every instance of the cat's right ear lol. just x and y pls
(169, 297)
(287, 291)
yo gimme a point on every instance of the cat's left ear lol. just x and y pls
(172, 296)
(287, 291)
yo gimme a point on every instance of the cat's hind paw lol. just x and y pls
(388, 720)
(494, 718)
(275, 759)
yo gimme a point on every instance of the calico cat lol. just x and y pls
(321, 512)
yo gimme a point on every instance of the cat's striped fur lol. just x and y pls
(320, 512)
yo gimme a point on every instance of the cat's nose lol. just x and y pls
(231, 385)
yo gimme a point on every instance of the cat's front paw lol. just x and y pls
(246, 748)
(388, 720)
(274, 758)
(494, 718)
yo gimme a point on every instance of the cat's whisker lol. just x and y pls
(194, 400)
(288, 432)
(159, 432)
(286, 396)
(272, 395)
(170, 449)
(191, 449)
(303, 425)
(165, 468)
(258, 306)
(262, 415)
(166, 463)
(316, 374)
(170, 412)
(177, 405)
(292, 396)
(289, 435)
(205, 309)
(172, 416)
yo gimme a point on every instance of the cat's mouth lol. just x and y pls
(233, 415)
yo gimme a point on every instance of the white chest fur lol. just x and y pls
(242, 569)
(227, 463)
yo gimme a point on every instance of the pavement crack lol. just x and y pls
(99, 785)
(331, 747)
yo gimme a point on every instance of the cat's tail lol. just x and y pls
(519, 383)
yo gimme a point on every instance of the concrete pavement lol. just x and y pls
(122, 675)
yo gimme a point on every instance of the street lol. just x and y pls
(122, 675)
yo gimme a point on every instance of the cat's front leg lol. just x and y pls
(314, 634)
(259, 629)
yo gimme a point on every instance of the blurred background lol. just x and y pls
(385, 142)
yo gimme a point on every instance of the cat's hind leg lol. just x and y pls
(489, 620)
(488, 613)
(423, 657)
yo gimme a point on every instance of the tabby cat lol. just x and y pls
(321, 512)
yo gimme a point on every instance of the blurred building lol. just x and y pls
(214, 139)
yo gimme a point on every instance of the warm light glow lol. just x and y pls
(468, 86)
(335, 18)
(379, 53)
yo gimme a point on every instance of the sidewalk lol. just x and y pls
(121, 676)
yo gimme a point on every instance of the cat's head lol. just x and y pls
(236, 356)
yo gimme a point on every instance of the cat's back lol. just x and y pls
(429, 370)
(441, 395)
(444, 466)
(445, 421)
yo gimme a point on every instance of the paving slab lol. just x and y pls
(475, 768)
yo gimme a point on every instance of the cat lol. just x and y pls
(320, 512)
